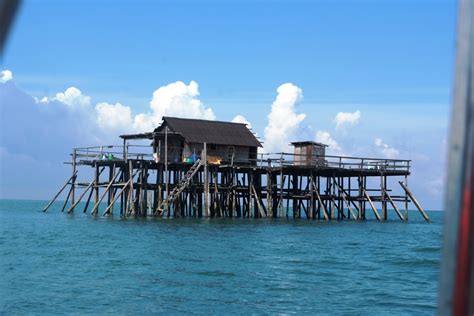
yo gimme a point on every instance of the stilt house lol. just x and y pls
(226, 142)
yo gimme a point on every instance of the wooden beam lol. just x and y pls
(107, 210)
(96, 206)
(59, 192)
(343, 195)
(71, 209)
(372, 205)
(413, 199)
(395, 207)
(325, 212)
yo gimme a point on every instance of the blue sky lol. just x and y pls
(390, 60)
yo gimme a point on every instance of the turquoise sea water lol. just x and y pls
(55, 263)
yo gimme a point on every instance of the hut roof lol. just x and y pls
(211, 132)
(305, 143)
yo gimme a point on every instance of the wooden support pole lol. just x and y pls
(59, 192)
(311, 208)
(360, 196)
(406, 199)
(88, 200)
(73, 184)
(325, 212)
(167, 189)
(259, 205)
(395, 207)
(383, 185)
(342, 194)
(97, 177)
(269, 191)
(250, 204)
(372, 205)
(206, 182)
(67, 199)
(282, 186)
(71, 209)
(121, 192)
(413, 199)
(96, 206)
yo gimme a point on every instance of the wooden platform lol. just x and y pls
(271, 186)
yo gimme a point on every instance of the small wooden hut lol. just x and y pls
(309, 153)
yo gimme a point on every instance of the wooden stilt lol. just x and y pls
(59, 192)
(96, 206)
(372, 205)
(415, 202)
(71, 209)
(397, 210)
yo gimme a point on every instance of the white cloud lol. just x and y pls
(179, 99)
(387, 151)
(326, 138)
(174, 99)
(144, 123)
(113, 116)
(6, 75)
(73, 97)
(283, 121)
(241, 119)
(347, 118)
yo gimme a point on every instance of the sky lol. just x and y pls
(369, 78)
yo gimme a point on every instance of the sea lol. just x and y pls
(54, 263)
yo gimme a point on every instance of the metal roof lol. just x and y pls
(211, 132)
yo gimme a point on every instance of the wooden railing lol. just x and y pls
(144, 152)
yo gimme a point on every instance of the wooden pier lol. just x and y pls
(140, 180)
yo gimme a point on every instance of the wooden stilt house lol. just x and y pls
(227, 143)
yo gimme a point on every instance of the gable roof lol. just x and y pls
(211, 132)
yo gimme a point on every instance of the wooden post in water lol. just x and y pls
(269, 190)
(282, 185)
(250, 182)
(167, 210)
(406, 199)
(97, 179)
(414, 201)
(73, 184)
(59, 192)
(206, 182)
(383, 185)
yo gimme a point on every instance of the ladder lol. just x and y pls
(184, 183)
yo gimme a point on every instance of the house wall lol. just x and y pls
(178, 149)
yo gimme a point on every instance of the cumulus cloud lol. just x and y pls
(347, 118)
(73, 97)
(326, 138)
(6, 75)
(145, 123)
(113, 116)
(179, 99)
(174, 99)
(241, 119)
(283, 121)
(387, 151)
